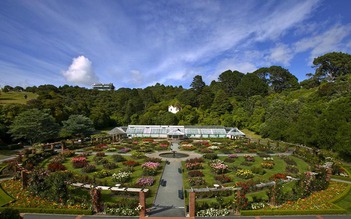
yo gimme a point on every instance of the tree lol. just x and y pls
(251, 85)
(198, 84)
(34, 125)
(332, 65)
(77, 125)
(229, 80)
(277, 78)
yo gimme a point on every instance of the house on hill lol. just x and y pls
(174, 109)
(103, 87)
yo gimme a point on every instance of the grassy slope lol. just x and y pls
(16, 97)
(4, 197)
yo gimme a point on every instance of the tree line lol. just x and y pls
(269, 101)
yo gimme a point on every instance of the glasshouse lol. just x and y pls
(181, 132)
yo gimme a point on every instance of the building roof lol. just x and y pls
(116, 131)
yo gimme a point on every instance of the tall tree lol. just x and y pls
(251, 85)
(332, 65)
(35, 126)
(78, 126)
(198, 84)
(229, 80)
(277, 78)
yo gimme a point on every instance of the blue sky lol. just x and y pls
(138, 43)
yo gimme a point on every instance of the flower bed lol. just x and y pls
(150, 168)
(79, 162)
(223, 178)
(318, 200)
(218, 166)
(122, 176)
(145, 181)
(26, 200)
(196, 173)
(193, 166)
(244, 174)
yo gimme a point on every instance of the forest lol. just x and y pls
(270, 101)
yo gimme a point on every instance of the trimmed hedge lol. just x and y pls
(52, 211)
(337, 210)
(341, 196)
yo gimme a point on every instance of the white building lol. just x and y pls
(174, 109)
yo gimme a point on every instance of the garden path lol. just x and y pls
(167, 202)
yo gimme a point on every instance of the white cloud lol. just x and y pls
(281, 54)
(81, 72)
(328, 41)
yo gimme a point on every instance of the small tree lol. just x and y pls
(78, 126)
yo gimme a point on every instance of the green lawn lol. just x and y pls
(16, 97)
(345, 202)
(4, 197)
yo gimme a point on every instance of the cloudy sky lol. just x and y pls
(138, 43)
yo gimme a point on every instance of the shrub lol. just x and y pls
(153, 159)
(195, 173)
(211, 212)
(267, 165)
(138, 155)
(124, 150)
(79, 162)
(223, 178)
(68, 153)
(206, 150)
(89, 168)
(197, 181)
(122, 176)
(246, 163)
(100, 160)
(218, 166)
(55, 166)
(193, 166)
(249, 158)
(210, 156)
(118, 158)
(244, 174)
(195, 160)
(145, 181)
(100, 154)
(102, 174)
(258, 170)
(289, 161)
(150, 168)
(110, 165)
(292, 169)
(278, 176)
(9, 213)
(130, 163)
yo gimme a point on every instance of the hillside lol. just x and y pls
(16, 97)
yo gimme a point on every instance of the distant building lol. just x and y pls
(103, 86)
(174, 109)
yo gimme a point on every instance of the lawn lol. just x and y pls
(16, 97)
(4, 197)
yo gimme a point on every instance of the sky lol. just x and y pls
(138, 43)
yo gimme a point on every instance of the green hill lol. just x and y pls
(16, 97)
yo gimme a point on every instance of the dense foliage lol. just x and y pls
(270, 101)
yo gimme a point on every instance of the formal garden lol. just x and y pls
(273, 178)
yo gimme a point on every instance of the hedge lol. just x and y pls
(292, 212)
(342, 195)
(51, 211)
